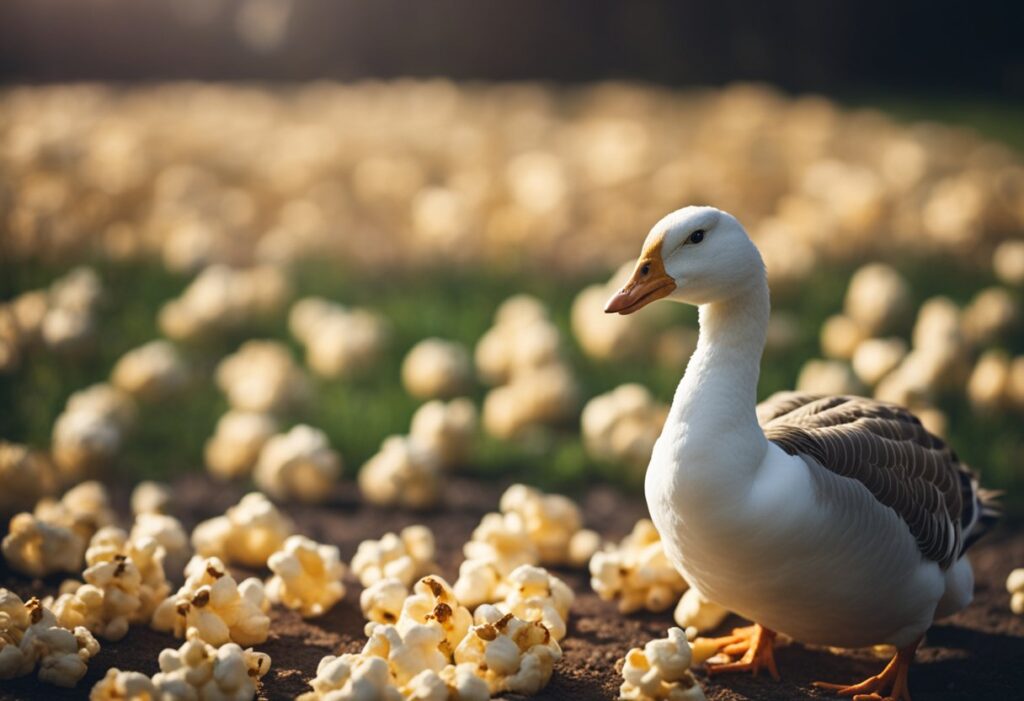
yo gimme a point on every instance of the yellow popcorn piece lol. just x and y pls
(247, 534)
(299, 464)
(307, 576)
(405, 556)
(637, 572)
(660, 670)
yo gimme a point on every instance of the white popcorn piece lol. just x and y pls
(878, 298)
(90, 431)
(247, 534)
(433, 603)
(153, 372)
(828, 377)
(151, 498)
(989, 316)
(512, 655)
(124, 582)
(382, 601)
(875, 358)
(106, 401)
(840, 337)
(402, 473)
(262, 376)
(623, 425)
(37, 548)
(31, 636)
(637, 572)
(408, 653)
(695, 611)
(534, 397)
(1015, 585)
(352, 678)
(1008, 262)
(610, 336)
(339, 342)
(522, 338)
(215, 607)
(299, 464)
(124, 686)
(437, 369)
(235, 446)
(661, 670)
(405, 556)
(445, 429)
(550, 520)
(499, 544)
(27, 476)
(200, 670)
(582, 546)
(535, 595)
(453, 683)
(69, 322)
(168, 532)
(307, 576)
(84, 509)
(989, 384)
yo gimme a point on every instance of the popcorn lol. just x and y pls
(436, 368)
(638, 572)
(90, 431)
(248, 534)
(307, 576)
(534, 397)
(827, 377)
(27, 475)
(151, 498)
(408, 653)
(875, 358)
(235, 446)
(453, 683)
(212, 606)
(200, 670)
(623, 425)
(339, 342)
(168, 532)
(499, 544)
(124, 583)
(403, 473)
(535, 595)
(445, 429)
(352, 678)
(513, 656)
(582, 546)
(69, 323)
(404, 557)
(37, 548)
(299, 464)
(434, 604)
(550, 520)
(84, 509)
(989, 316)
(31, 636)
(1015, 585)
(694, 611)
(262, 376)
(154, 371)
(1008, 262)
(840, 337)
(123, 686)
(661, 670)
(988, 385)
(878, 298)
(383, 600)
(522, 338)
(610, 336)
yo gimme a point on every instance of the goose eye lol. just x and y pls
(645, 269)
(697, 236)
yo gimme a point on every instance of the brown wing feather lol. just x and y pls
(885, 448)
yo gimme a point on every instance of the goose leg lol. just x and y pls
(755, 643)
(891, 681)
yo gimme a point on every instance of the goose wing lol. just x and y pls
(885, 448)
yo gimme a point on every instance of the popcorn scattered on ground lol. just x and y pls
(660, 670)
(550, 520)
(299, 464)
(168, 532)
(1015, 585)
(433, 603)
(236, 443)
(307, 576)
(262, 376)
(611, 336)
(878, 298)
(91, 430)
(437, 369)
(382, 601)
(151, 372)
(215, 607)
(828, 377)
(37, 548)
(27, 476)
(30, 636)
(637, 572)
(247, 534)
(405, 557)
(339, 342)
(535, 595)
(446, 429)
(151, 498)
(403, 473)
(694, 611)
(623, 425)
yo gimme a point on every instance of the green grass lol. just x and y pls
(456, 303)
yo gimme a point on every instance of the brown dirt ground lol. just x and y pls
(977, 655)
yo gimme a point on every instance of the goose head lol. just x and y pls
(695, 255)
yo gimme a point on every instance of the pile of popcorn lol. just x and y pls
(339, 342)
(637, 572)
(521, 356)
(661, 670)
(247, 534)
(299, 465)
(221, 298)
(236, 443)
(61, 318)
(622, 425)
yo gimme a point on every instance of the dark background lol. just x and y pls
(972, 48)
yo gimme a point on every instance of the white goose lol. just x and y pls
(835, 520)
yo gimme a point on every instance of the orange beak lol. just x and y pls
(649, 282)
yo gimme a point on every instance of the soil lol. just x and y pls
(976, 655)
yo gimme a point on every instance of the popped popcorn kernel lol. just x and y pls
(215, 607)
(512, 655)
(168, 532)
(151, 372)
(695, 611)
(30, 636)
(236, 443)
(550, 520)
(1015, 585)
(150, 497)
(262, 376)
(340, 342)
(405, 556)
(37, 548)
(200, 670)
(433, 603)
(307, 576)
(436, 368)
(247, 534)
(299, 464)
(91, 430)
(623, 425)
(382, 601)
(535, 595)
(352, 678)
(637, 572)
(123, 686)
(408, 652)
(84, 509)
(402, 473)
(453, 683)
(27, 476)
(660, 670)
(446, 429)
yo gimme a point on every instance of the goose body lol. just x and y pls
(835, 520)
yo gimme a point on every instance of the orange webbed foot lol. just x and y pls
(756, 647)
(889, 685)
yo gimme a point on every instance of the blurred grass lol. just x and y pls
(456, 303)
